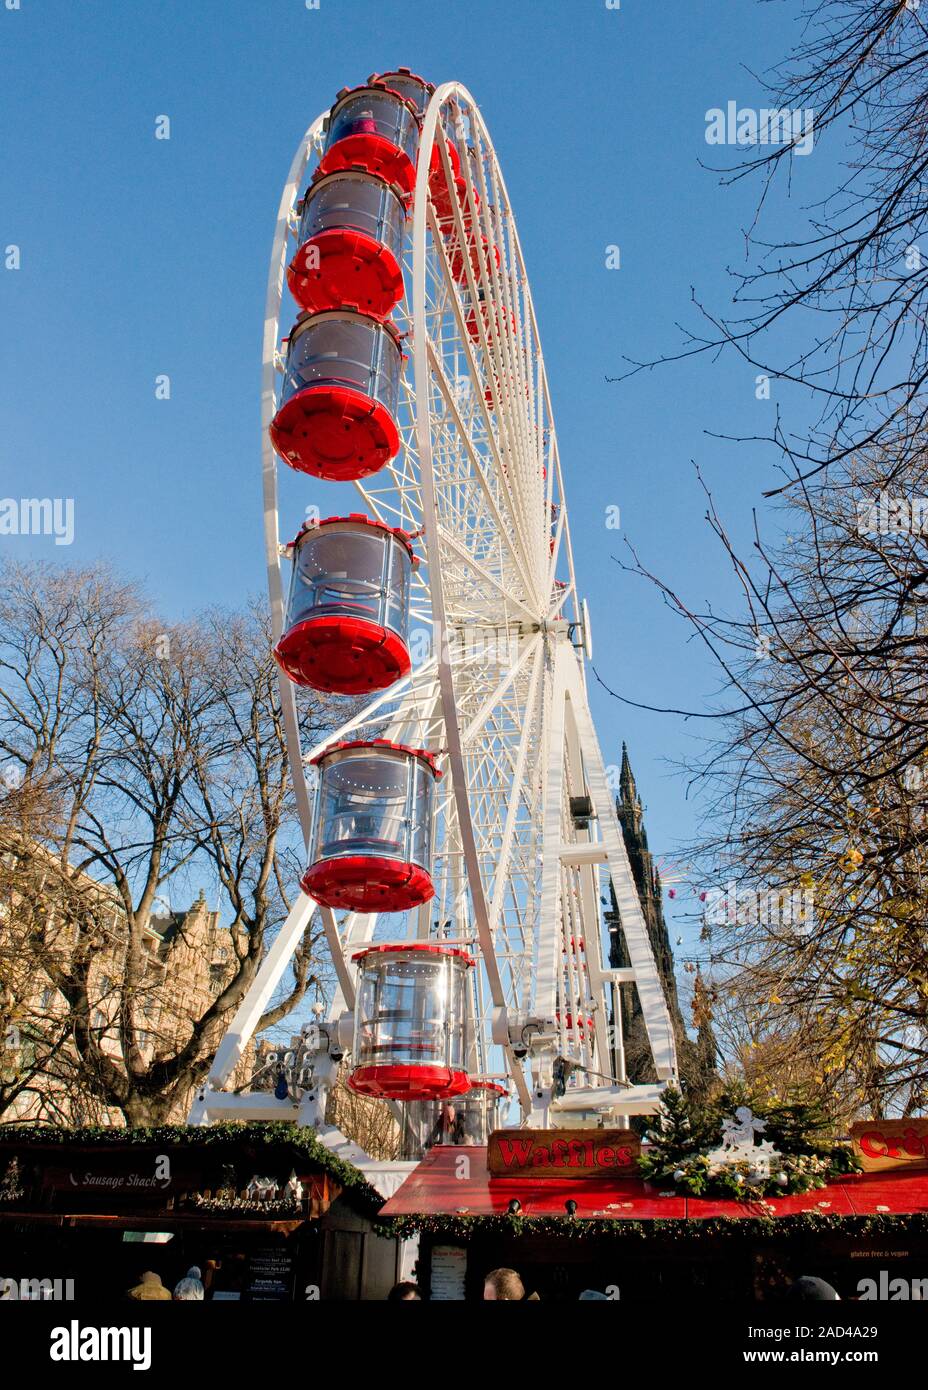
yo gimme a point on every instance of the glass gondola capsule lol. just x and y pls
(348, 611)
(376, 127)
(466, 1119)
(351, 230)
(480, 1109)
(410, 1034)
(372, 831)
(339, 397)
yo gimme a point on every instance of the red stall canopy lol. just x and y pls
(443, 1184)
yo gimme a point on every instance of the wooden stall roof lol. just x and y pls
(443, 1185)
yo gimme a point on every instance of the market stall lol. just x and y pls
(266, 1212)
(616, 1232)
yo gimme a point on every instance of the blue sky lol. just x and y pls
(141, 257)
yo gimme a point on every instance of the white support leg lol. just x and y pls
(650, 992)
(259, 993)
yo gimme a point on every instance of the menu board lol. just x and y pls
(270, 1275)
(449, 1266)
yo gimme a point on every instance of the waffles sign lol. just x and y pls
(883, 1145)
(561, 1153)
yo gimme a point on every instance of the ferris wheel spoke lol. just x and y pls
(501, 287)
(480, 378)
(501, 530)
(474, 572)
(475, 728)
(492, 336)
(515, 799)
(497, 290)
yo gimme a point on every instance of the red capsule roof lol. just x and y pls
(426, 947)
(359, 519)
(422, 754)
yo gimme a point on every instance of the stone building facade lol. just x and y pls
(190, 958)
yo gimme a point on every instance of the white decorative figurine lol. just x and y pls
(739, 1145)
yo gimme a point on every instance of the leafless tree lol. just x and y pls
(161, 750)
(815, 787)
(850, 284)
(367, 1121)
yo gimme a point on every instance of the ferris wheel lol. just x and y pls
(460, 829)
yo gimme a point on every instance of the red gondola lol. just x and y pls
(372, 836)
(337, 417)
(348, 613)
(350, 253)
(377, 128)
(477, 256)
(409, 1035)
(495, 324)
(418, 92)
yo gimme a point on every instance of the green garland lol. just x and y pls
(683, 1130)
(680, 1230)
(273, 1134)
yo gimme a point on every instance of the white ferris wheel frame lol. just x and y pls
(530, 1033)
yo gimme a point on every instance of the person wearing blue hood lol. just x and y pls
(190, 1288)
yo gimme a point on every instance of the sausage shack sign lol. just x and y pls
(559, 1153)
(884, 1145)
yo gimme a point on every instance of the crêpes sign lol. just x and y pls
(882, 1145)
(561, 1153)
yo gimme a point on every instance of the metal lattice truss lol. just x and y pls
(497, 687)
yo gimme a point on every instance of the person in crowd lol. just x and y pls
(505, 1285)
(809, 1289)
(190, 1288)
(404, 1292)
(150, 1289)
